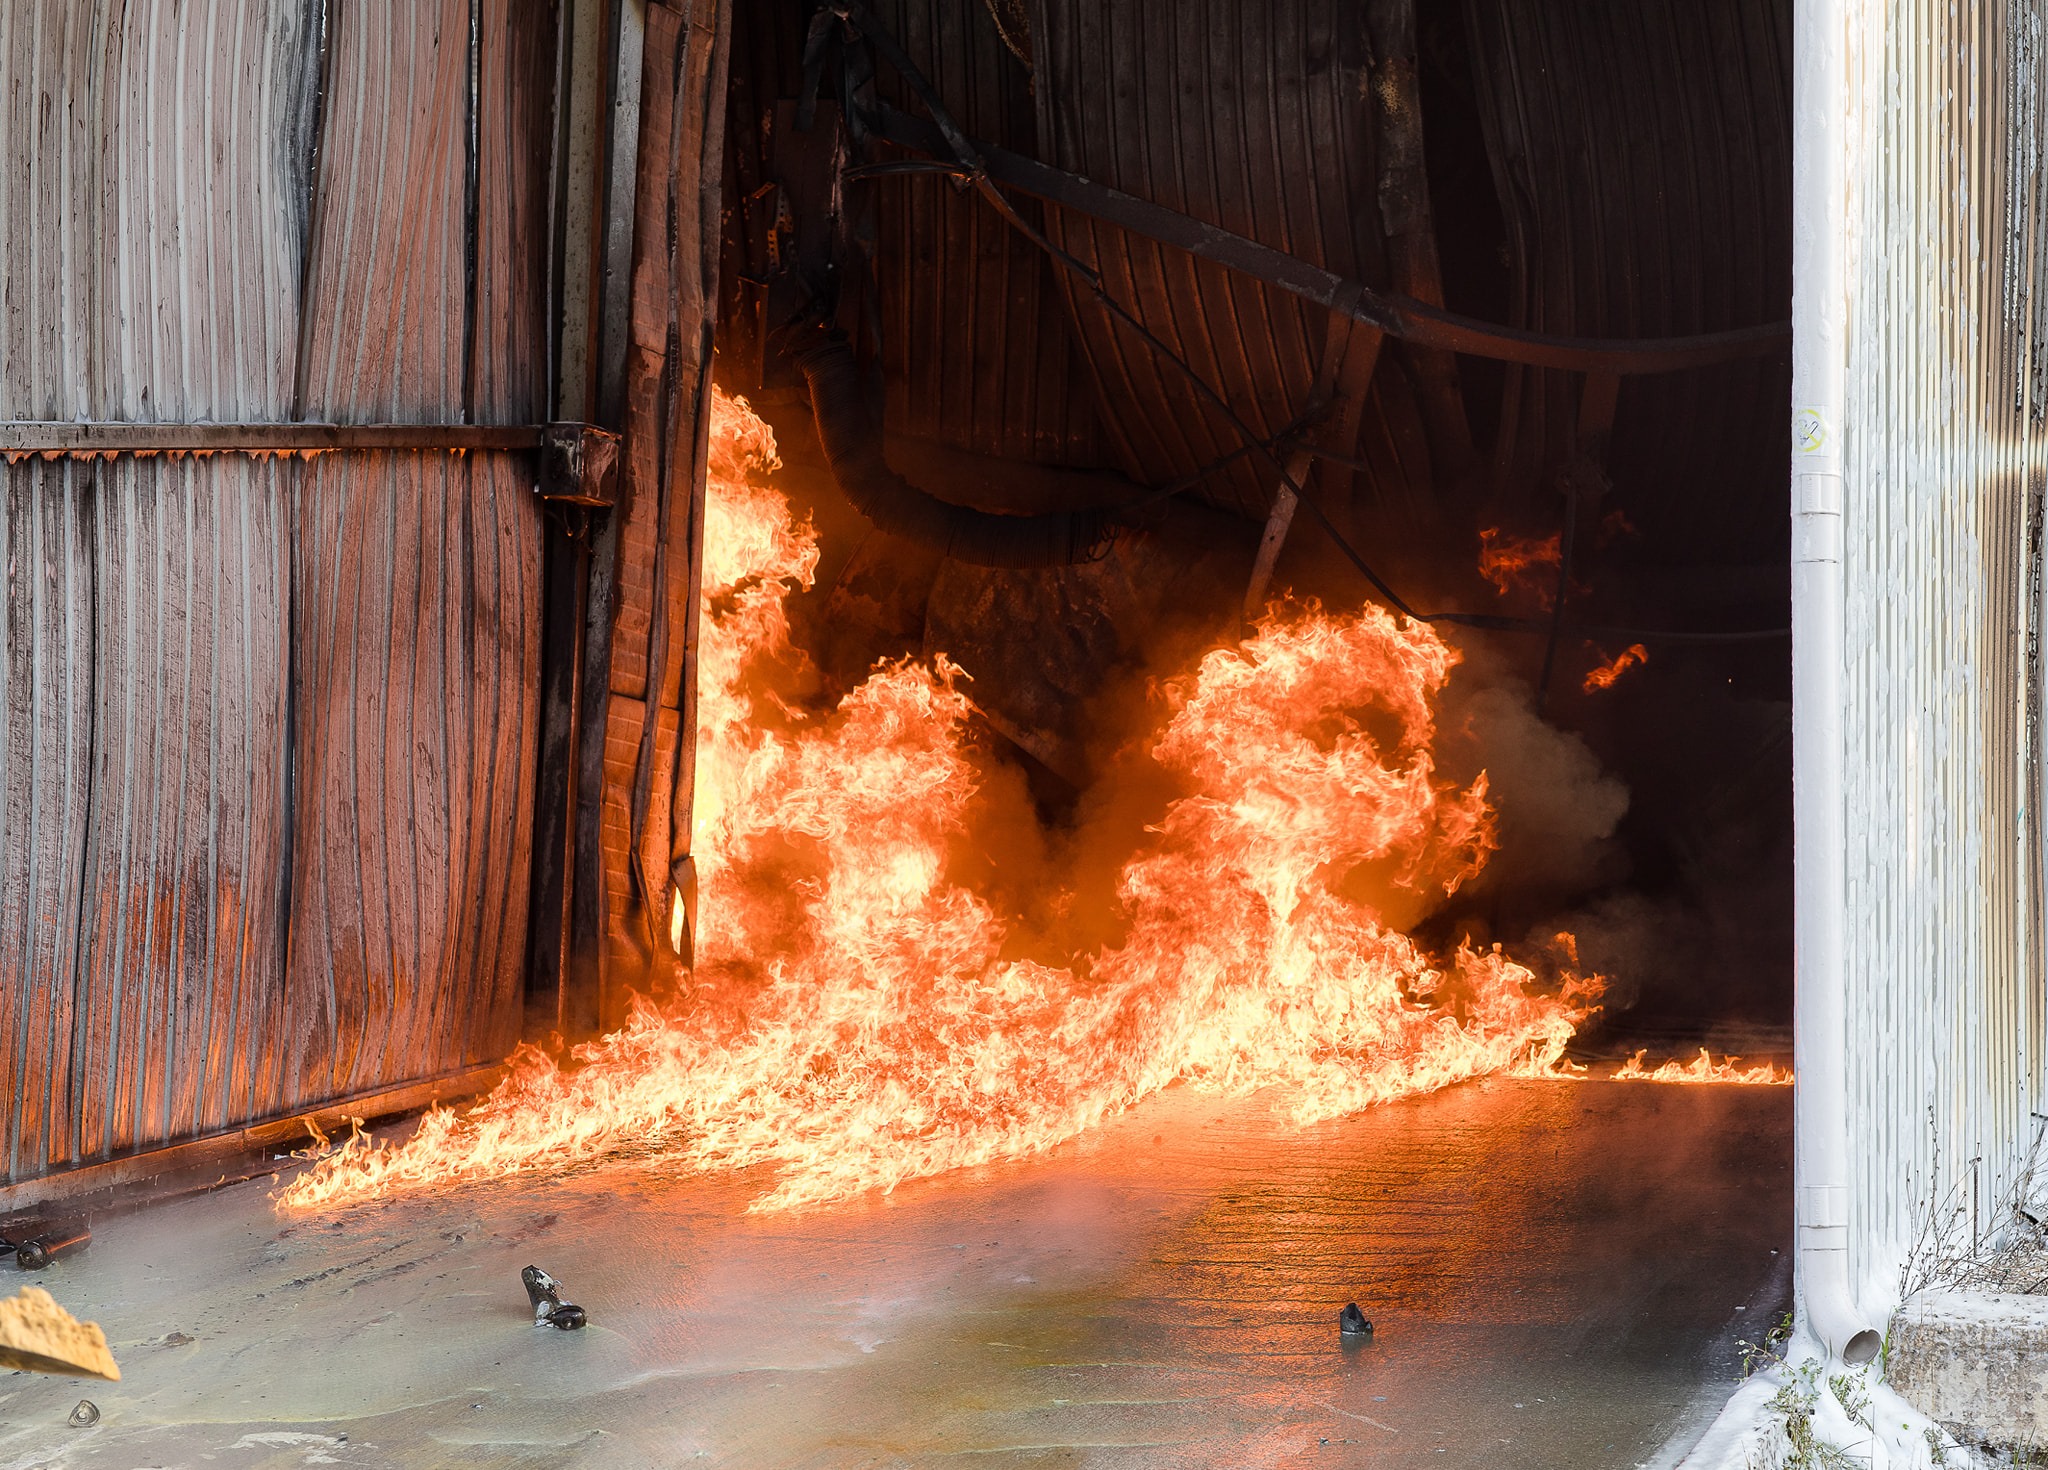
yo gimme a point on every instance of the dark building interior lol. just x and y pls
(1120, 415)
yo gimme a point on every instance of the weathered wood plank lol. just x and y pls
(183, 867)
(149, 273)
(158, 613)
(513, 226)
(45, 539)
(386, 282)
(631, 930)
(418, 719)
(503, 599)
(418, 576)
(675, 261)
(639, 469)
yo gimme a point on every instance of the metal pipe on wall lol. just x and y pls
(1821, 111)
(585, 987)
(563, 970)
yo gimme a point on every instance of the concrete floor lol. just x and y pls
(1556, 1272)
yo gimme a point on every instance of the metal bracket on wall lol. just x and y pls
(579, 465)
(579, 475)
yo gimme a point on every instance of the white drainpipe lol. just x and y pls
(1821, 101)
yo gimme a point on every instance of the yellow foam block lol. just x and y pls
(40, 1336)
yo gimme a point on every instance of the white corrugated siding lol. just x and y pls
(1942, 452)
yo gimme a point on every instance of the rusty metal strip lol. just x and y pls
(54, 440)
(1397, 316)
(578, 462)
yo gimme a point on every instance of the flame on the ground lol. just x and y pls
(1704, 1069)
(1520, 563)
(1611, 669)
(858, 1017)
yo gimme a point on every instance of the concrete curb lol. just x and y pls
(1976, 1363)
(1727, 1439)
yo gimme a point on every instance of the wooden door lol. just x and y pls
(269, 724)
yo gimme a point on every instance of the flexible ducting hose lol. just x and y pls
(853, 447)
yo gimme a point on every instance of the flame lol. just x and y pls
(1704, 1069)
(858, 1016)
(1520, 563)
(1612, 669)
(1616, 524)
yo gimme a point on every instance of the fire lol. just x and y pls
(1520, 563)
(1616, 524)
(1612, 669)
(1704, 1069)
(859, 1017)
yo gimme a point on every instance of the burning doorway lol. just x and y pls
(982, 798)
(1125, 755)
(1198, 387)
(1064, 381)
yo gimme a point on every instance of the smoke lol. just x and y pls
(1622, 936)
(1557, 810)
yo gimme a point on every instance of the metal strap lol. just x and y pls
(578, 462)
(56, 439)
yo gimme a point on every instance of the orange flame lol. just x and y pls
(1520, 563)
(1614, 525)
(1604, 676)
(857, 1017)
(1704, 1069)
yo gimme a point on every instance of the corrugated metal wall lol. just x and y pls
(1642, 159)
(158, 613)
(1254, 116)
(1942, 445)
(977, 346)
(142, 857)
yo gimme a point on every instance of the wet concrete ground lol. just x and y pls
(1555, 1271)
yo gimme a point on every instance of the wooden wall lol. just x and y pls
(417, 576)
(268, 725)
(676, 239)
